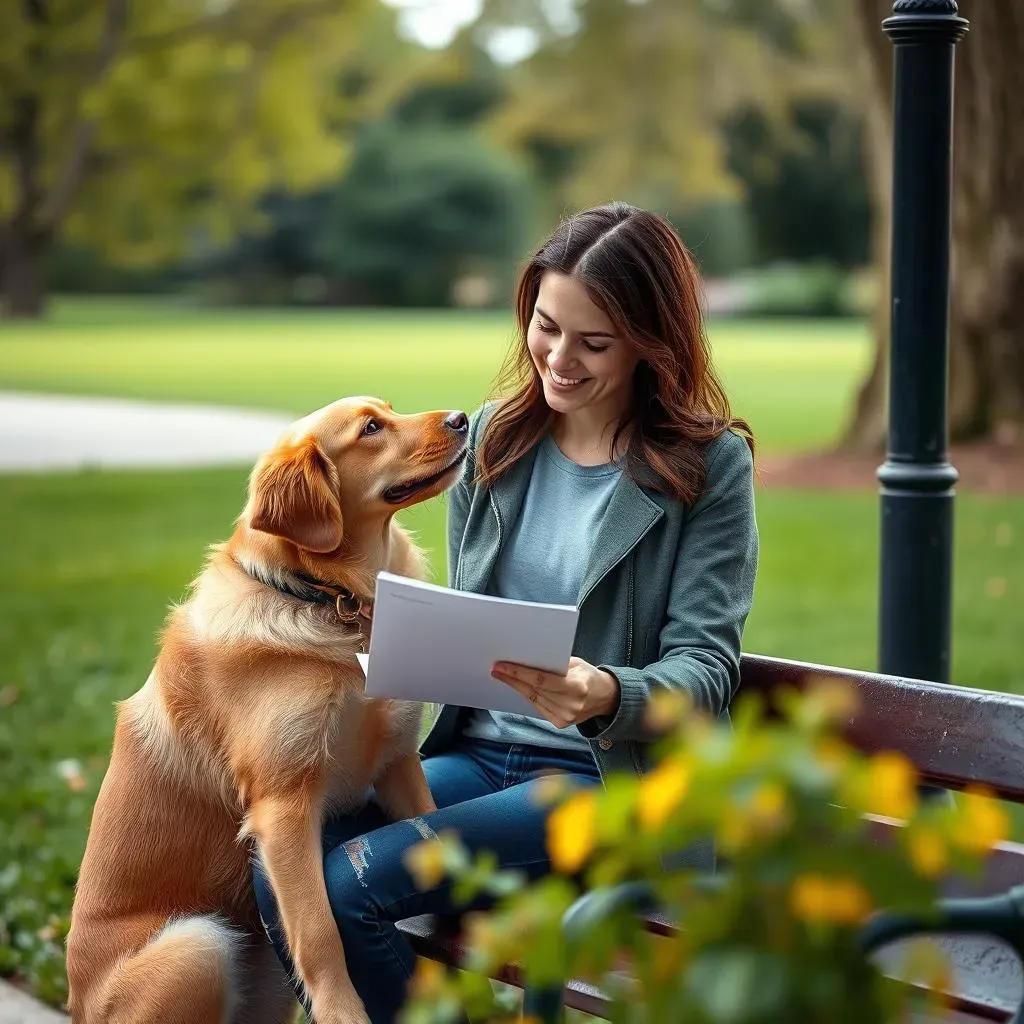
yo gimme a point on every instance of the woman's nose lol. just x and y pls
(560, 358)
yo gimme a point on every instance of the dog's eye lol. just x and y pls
(371, 427)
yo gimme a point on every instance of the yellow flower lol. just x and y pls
(835, 700)
(572, 832)
(928, 852)
(425, 862)
(428, 978)
(890, 786)
(667, 959)
(482, 933)
(831, 752)
(549, 789)
(819, 899)
(734, 830)
(765, 812)
(983, 822)
(661, 791)
(665, 711)
(769, 807)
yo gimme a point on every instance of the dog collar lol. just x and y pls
(349, 606)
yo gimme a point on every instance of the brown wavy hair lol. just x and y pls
(636, 268)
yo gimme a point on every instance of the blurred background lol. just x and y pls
(243, 209)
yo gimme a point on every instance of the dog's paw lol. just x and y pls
(347, 1009)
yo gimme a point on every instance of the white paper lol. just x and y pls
(437, 645)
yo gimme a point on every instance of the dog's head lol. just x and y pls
(350, 465)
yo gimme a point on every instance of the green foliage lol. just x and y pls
(426, 206)
(718, 233)
(419, 209)
(137, 123)
(803, 175)
(771, 937)
(788, 290)
(621, 99)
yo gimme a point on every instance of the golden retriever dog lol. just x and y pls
(251, 727)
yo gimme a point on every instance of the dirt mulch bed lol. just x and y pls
(984, 469)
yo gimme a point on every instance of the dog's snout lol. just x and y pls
(457, 421)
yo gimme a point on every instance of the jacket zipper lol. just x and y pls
(629, 634)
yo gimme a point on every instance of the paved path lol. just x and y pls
(18, 1008)
(51, 432)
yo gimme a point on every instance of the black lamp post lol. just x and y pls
(917, 480)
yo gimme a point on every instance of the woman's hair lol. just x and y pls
(636, 268)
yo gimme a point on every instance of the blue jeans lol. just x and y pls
(483, 792)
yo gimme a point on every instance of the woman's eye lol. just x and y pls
(547, 328)
(372, 427)
(594, 348)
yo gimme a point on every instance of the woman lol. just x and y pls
(612, 478)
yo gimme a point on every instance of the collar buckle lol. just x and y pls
(351, 608)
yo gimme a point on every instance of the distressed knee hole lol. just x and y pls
(423, 828)
(358, 852)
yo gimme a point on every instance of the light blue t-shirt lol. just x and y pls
(544, 559)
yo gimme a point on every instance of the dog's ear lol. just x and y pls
(293, 494)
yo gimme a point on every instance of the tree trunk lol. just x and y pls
(986, 397)
(22, 274)
(866, 430)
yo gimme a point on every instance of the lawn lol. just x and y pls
(791, 380)
(92, 559)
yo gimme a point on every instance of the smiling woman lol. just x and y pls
(614, 478)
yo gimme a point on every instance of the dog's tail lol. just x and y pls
(188, 973)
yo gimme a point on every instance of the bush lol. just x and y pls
(775, 938)
(420, 209)
(785, 290)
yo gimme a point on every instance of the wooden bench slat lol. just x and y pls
(953, 734)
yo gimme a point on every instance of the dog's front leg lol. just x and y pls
(287, 828)
(401, 788)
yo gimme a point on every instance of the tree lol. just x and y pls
(426, 206)
(421, 209)
(630, 97)
(987, 301)
(804, 181)
(137, 126)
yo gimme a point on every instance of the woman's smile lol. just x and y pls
(564, 382)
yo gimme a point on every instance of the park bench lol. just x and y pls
(956, 737)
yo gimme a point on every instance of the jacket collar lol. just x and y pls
(630, 515)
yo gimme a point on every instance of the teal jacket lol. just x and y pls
(664, 598)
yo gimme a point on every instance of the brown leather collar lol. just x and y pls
(349, 606)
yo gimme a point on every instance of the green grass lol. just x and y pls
(91, 560)
(791, 380)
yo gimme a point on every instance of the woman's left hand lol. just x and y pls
(583, 692)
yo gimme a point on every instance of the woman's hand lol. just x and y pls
(583, 692)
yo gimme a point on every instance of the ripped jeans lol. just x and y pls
(483, 793)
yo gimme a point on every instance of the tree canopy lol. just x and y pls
(136, 125)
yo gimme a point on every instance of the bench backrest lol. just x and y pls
(955, 736)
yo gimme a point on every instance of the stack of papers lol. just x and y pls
(437, 645)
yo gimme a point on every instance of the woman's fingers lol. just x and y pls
(542, 700)
(534, 677)
(526, 687)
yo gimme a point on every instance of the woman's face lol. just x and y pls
(582, 361)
